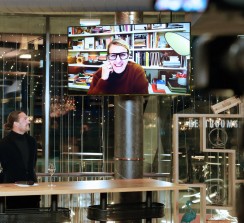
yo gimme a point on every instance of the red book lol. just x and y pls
(155, 90)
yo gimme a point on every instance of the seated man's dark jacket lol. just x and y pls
(14, 167)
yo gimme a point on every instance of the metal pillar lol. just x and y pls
(128, 154)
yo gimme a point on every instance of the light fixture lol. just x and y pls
(61, 106)
(38, 121)
(25, 56)
(178, 43)
(89, 22)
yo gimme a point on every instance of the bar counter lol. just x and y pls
(93, 186)
(100, 212)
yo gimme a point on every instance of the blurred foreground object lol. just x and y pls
(229, 4)
(219, 63)
(239, 204)
(197, 5)
(179, 5)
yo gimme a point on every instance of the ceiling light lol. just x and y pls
(89, 22)
(25, 56)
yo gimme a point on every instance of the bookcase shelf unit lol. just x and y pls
(214, 156)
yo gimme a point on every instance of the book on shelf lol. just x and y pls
(125, 37)
(155, 90)
(116, 29)
(107, 29)
(123, 28)
(175, 87)
(89, 72)
(140, 40)
(160, 84)
(161, 41)
(89, 43)
(168, 63)
(80, 44)
(75, 30)
(128, 27)
(174, 26)
(155, 59)
(70, 30)
(159, 26)
(137, 57)
(149, 40)
(102, 43)
(140, 27)
(147, 59)
(102, 56)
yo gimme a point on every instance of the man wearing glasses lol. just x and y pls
(119, 75)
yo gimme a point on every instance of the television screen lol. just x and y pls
(142, 59)
(181, 5)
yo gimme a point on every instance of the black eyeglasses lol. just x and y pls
(122, 56)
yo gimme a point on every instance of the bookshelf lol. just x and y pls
(148, 48)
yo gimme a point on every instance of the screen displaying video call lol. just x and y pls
(162, 50)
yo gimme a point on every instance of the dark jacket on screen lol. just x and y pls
(131, 81)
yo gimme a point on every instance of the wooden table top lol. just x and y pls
(93, 186)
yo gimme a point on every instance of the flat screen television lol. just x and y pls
(162, 50)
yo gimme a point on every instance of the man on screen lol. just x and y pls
(118, 75)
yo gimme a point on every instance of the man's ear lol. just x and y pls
(15, 123)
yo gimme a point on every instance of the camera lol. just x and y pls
(219, 63)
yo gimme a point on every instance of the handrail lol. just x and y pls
(98, 174)
(78, 174)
